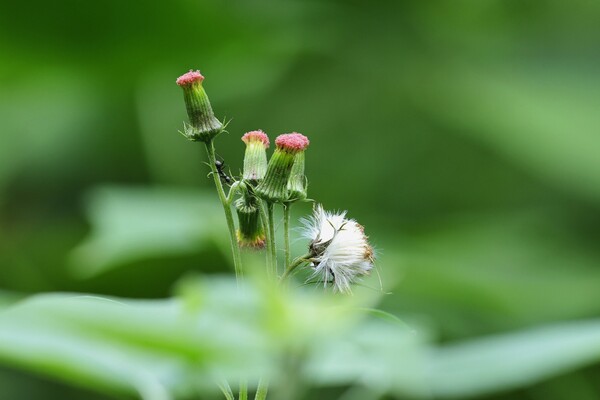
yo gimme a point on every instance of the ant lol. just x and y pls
(225, 178)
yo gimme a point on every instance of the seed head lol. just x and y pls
(339, 249)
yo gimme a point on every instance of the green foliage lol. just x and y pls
(129, 224)
(543, 118)
(507, 361)
(176, 348)
(513, 264)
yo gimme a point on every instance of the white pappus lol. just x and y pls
(339, 250)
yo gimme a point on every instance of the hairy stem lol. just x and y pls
(286, 233)
(272, 247)
(235, 250)
(265, 223)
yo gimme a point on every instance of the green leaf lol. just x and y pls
(545, 119)
(42, 120)
(482, 273)
(383, 356)
(163, 347)
(130, 224)
(8, 298)
(513, 360)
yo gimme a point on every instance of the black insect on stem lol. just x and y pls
(225, 178)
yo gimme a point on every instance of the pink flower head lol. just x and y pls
(256, 135)
(190, 77)
(293, 142)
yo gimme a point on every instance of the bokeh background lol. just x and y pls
(464, 135)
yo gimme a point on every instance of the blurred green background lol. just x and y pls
(464, 135)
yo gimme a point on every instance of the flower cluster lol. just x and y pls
(338, 253)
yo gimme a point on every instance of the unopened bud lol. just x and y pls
(250, 233)
(203, 125)
(297, 183)
(255, 158)
(273, 187)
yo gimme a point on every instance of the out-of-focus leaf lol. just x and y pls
(128, 347)
(130, 224)
(165, 348)
(387, 360)
(383, 356)
(483, 273)
(162, 349)
(513, 360)
(8, 298)
(42, 118)
(544, 119)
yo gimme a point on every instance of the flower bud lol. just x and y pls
(203, 125)
(250, 233)
(273, 187)
(255, 158)
(296, 185)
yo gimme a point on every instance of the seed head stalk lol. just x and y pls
(295, 264)
(235, 250)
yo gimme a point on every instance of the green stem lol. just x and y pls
(232, 191)
(286, 233)
(243, 390)
(297, 262)
(226, 389)
(235, 250)
(272, 248)
(263, 388)
(265, 223)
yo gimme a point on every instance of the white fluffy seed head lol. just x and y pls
(339, 248)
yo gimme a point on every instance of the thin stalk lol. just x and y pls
(232, 191)
(297, 262)
(286, 234)
(226, 389)
(265, 223)
(272, 234)
(292, 387)
(243, 390)
(263, 388)
(235, 250)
